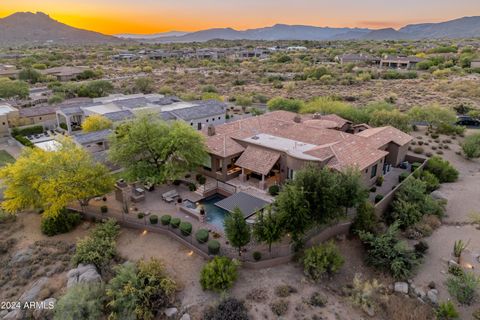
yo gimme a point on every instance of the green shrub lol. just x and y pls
(386, 252)
(463, 287)
(192, 187)
(28, 130)
(175, 222)
(140, 291)
(415, 166)
(82, 301)
(285, 104)
(165, 219)
(140, 215)
(379, 181)
(471, 146)
(442, 169)
(455, 270)
(257, 256)
(186, 228)
(228, 309)
(378, 198)
(274, 190)
(365, 220)
(322, 259)
(103, 209)
(430, 180)
(446, 311)
(64, 222)
(219, 274)
(421, 247)
(213, 247)
(23, 140)
(403, 176)
(202, 180)
(153, 219)
(202, 235)
(99, 246)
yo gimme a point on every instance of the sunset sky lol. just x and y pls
(151, 16)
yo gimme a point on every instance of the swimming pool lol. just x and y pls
(215, 215)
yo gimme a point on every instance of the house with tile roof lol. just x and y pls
(270, 148)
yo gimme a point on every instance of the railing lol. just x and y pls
(226, 187)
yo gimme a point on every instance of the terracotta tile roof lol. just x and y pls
(381, 136)
(258, 159)
(339, 148)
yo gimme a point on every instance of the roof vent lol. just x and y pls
(297, 119)
(211, 130)
(317, 115)
(255, 137)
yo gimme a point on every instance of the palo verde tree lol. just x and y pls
(53, 179)
(96, 122)
(268, 227)
(154, 150)
(237, 230)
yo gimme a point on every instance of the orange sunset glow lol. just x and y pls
(150, 16)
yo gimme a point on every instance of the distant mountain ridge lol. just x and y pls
(38, 28)
(466, 27)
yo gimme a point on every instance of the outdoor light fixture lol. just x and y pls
(190, 253)
(144, 232)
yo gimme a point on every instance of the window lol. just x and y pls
(213, 119)
(207, 120)
(40, 118)
(219, 118)
(374, 171)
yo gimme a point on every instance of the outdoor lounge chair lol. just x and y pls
(169, 196)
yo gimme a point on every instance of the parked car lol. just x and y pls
(467, 121)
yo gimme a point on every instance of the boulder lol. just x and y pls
(17, 314)
(33, 291)
(170, 312)
(432, 296)
(21, 257)
(46, 311)
(419, 292)
(185, 316)
(438, 195)
(84, 273)
(401, 287)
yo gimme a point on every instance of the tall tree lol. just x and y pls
(351, 190)
(237, 230)
(96, 122)
(53, 179)
(268, 227)
(151, 149)
(293, 207)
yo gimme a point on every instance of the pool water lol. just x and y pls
(215, 215)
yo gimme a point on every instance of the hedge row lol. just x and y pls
(27, 131)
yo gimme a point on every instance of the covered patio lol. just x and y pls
(260, 166)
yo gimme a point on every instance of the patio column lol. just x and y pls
(262, 183)
(243, 177)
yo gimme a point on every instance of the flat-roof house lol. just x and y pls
(357, 58)
(396, 62)
(120, 107)
(64, 73)
(270, 148)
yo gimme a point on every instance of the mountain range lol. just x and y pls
(38, 28)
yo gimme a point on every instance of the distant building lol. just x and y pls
(399, 62)
(120, 107)
(475, 63)
(64, 73)
(357, 58)
(8, 116)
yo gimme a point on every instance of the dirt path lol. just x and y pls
(463, 200)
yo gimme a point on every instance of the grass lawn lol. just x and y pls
(5, 158)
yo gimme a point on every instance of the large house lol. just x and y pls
(399, 62)
(120, 107)
(270, 148)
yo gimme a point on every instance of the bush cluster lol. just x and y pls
(99, 246)
(219, 274)
(322, 259)
(64, 222)
(442, 169)
(202, 235)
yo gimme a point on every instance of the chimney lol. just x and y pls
(317, 115)
(297, 119)
(211, 130)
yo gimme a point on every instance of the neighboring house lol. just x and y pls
(475, 64)
(45, 116)
(64, 73)
(399, 62)
(270, 148)
(8, 116)
(357, 58)
(120, 107)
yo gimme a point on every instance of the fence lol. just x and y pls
(280, 254)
